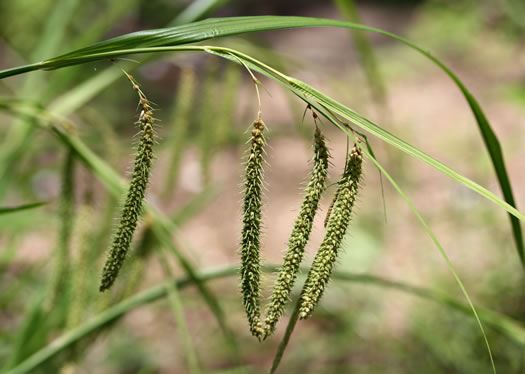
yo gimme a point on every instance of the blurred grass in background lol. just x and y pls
(358, 328)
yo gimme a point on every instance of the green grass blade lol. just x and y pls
(512, 329)
(366, 54)
(14, 144)
(54, 30)
(207, 118)
(441, 250)
(219, 27)
(496, 155)
(32, 333)
(302, 89)
(291, 325)
(492, 146)
(14, 209)
(67, 211)
(423, 223)
(197, 10)
(161, 225)
(85, 91)
(180, 118)
(310, 95)
(82, 93)
(383, 134)
(177, 309)
(230, 89)
(112, 13)
(163, 228)
(85, 265)
(196, 204)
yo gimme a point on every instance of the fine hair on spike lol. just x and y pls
(251, 231)
(135, 196)
(300, 235)
(329, 211)
(338, 222)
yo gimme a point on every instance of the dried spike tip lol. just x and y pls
(135, 196)
(326, 257)
(300, 235)
(250, 242)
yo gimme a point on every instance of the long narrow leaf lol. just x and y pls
(304, 90)
(217, 27)
(14, 209)
(196, 10)
(366, 54)
(161, 225)
(510, 328)
(177, 310)
(15, 142)
(445, 256)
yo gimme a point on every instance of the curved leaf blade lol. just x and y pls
(14, 209)
(509, 327)
(220, 27)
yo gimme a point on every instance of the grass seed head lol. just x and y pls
(300, 234)
(338, 222)
(250, 242)
(135, 196)
(329, 211)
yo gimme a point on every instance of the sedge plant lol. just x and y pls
(183, 38)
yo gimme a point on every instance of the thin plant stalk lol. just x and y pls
(181, 117)
(15, 142)
(116, 186)
(226, 114)
(212, 28)
(177, 309)
(286, 338)
(207, 120)
(511, 328)
(366, 54)
(61, 281)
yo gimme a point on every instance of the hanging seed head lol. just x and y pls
(250, 242)
(135, 196)
(326, 257)
(300, 235)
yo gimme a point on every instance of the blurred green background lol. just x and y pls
(204, 106)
